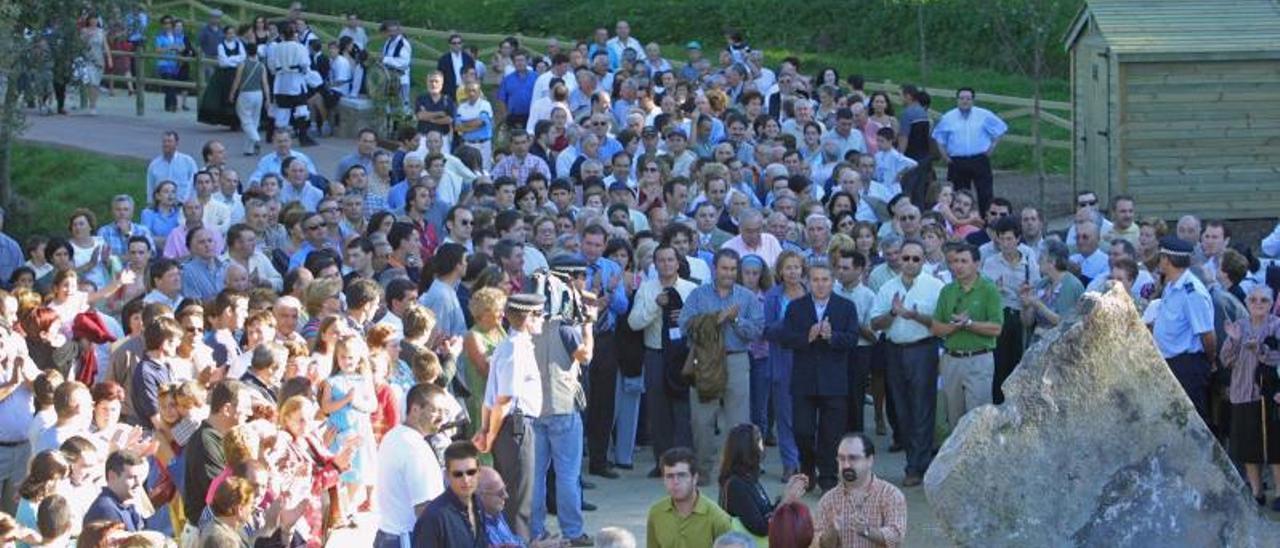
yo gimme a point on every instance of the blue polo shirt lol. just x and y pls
(109, 507)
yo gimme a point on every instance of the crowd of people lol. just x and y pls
(614, 253)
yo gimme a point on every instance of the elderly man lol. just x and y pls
(817, 235)
(752, 240)
(1089, 261)
(171, 165)
(1087, 210)
(1122, 217)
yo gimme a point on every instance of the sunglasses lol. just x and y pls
(458, 474)
(910, 259)
(318, 226)
(1087, 203)
(455, 43)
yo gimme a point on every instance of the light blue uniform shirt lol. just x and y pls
(737, 334)
(968, 135)
(1186, 312)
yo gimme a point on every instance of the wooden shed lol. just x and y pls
(1177, 102)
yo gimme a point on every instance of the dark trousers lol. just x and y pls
(819, 423)
(859, 377)
(513, 456)
(1192, 372)
(913, 381)
(879, 363)
(170, 93)
(973, 173)
(668, 417)
(1008, 352)
(916, 182)
(602, 379)
(60, 95)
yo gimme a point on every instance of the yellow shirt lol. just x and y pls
(666, 529)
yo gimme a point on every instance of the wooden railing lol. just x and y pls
(1056, 114)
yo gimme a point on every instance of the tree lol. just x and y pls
(22, 22)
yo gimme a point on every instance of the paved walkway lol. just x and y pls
(623, 502)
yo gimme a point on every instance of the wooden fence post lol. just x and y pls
(140, 89)
(199, 74)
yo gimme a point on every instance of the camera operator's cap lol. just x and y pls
(526, 302)
(693, 45)
(1175, 246)
(568, 264)
(649, 131)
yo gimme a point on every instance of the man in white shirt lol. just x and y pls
(409, 471)
(282, 141)
(217, 215)
(559, 69)
(171, 165)
(1088, 262)
(242, 249)
(623, 41)
(397, 54)
(904, 311)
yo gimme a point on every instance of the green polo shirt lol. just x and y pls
(982, 302)
(666, 529)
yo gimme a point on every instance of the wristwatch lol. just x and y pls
(866, 532)
(968, 322)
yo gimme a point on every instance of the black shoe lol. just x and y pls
(584, 540)
(1262, 500)
(655, 473)
(625, 466)
(895, 447)
(604, 472)
(588, 507)
(770, 440)
(306, 140)
(586, 484)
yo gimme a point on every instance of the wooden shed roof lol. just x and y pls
(1182, 26)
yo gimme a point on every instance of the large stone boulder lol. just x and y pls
(1095, 445)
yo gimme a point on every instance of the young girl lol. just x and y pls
(757, 278)
(348, 398)
(384, 357)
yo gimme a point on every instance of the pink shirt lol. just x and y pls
(869, 135)
(768, 250)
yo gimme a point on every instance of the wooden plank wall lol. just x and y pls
(1202, 137)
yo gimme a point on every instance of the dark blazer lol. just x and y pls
(820, 368)
(445, 65)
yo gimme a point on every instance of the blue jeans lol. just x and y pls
(760, 380)
(626, 416)
(558, 439)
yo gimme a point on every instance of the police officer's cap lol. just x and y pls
(568, 264)
(526, 302)
(1176, 247)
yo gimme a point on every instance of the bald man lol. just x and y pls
(493, 498)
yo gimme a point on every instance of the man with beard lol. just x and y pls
(862, 510)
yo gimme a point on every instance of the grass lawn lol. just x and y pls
(52, 181)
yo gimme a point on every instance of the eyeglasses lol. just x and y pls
(468, 473)
(317, 226)
(330, 210)
(651, 170)
(1087, 203)
(908, 217)
(911, 258)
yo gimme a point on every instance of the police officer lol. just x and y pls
(561, 349)
(1184, 324)
(512, 401)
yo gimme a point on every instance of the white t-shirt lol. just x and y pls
(408, 475)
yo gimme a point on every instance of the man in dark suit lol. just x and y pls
(710, 237)
(453, 64)
(822, 329)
